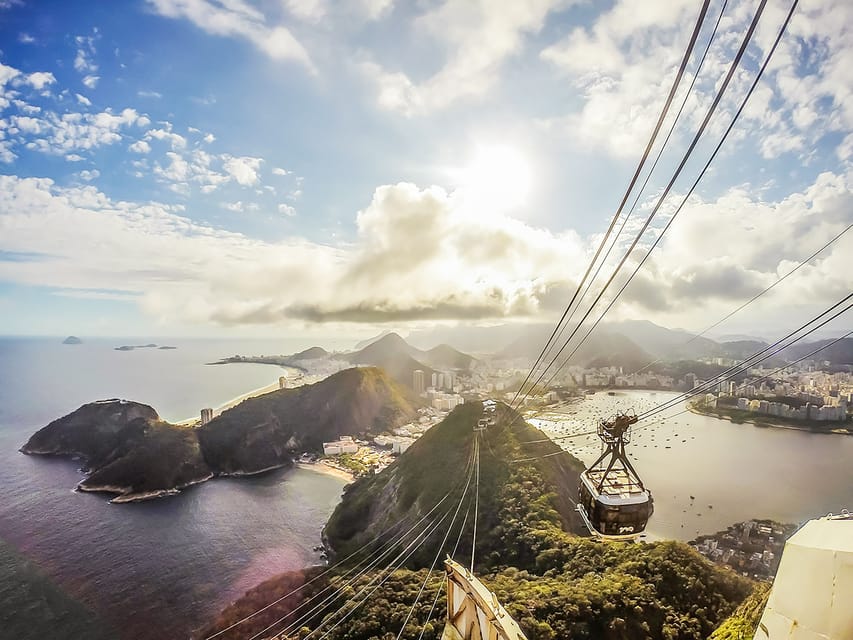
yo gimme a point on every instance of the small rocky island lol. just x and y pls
(127, 449)
(72, 340)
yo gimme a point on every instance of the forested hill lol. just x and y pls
(436, 465)
(130, 451)
(555, 584)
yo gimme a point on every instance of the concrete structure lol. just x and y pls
(473, 612)
(345, 445)
(813, 591)
(418, 381)
(282, 382)
(206, 415)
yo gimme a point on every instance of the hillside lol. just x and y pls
(601, 349)
(263, 432)
(312, 353)
(671, 344)
(446, 357)
(128, 450)
(432, 467)
(555, 584)
(839, 353)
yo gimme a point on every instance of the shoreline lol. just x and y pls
(233, 402)
(326, 469)
(771, 425)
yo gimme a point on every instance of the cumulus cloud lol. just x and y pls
(237, 18)
(623, 65)
(243, 169)
(287, 210)
(419, 254)
(140, 146)
(40, 79)
(70, 133)
(91, 81)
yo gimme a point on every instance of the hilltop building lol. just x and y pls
(206, 415)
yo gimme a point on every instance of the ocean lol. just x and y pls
(72, 565)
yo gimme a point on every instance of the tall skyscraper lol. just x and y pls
(418, 381)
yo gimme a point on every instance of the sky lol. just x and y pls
(309, 167)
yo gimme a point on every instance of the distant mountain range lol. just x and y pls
(629, 344)
(623, 343)
(397, 358)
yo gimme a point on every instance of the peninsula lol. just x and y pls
(128, 450)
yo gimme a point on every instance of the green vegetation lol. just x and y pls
(129, 450)
(555, 584)
(744, 621)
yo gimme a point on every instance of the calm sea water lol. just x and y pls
(74, 566)
(734, 472)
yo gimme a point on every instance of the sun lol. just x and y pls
(497, 178)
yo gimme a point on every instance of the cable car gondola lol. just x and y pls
(613, 502)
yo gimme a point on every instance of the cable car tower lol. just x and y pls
(613, 502)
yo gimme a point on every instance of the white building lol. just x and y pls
(337, 447)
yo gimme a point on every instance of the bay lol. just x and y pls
(148, 570)
(734, 472)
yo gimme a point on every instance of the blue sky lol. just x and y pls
(211, 167)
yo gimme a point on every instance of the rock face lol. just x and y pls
(72, 340)
(127, 449)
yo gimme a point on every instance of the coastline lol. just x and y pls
(769, 424)
(322, 467)
(233, 402)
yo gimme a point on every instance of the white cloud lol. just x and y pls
(88, 175)
(71, 132)
(624, 62)
(278, 171)
(83, 61)
(40, 79)
(149, 94)
(236, 18)
(25, 38)
(287, 210)
(176, 141)
(83, 100)
(140, 146)
(477, 40)
(91, 81)
(419, 255)
(243, 169)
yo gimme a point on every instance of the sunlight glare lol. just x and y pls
(497, 178)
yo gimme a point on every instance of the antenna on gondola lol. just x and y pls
(613, 502)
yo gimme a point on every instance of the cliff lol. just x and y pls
(128, 450)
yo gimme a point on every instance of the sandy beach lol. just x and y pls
(322, 467)
(290, 373)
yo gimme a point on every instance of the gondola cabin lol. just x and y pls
(612, 500)
(620, 507)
